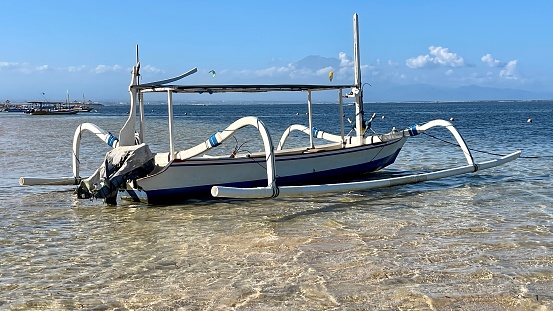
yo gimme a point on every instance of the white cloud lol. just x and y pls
(510, 71)
(267, 72)
(42, 68)
(446, 58)
(439, 56)
(8, 65)
(104, 68)
(298, 73)
(274, 71)
(324, 71)
(150, 69)
(77, 68)
(17, 67)
(492, 62)
(420, 61)
(343, 71)
(290, 70)
(344, 60)
(27, 68)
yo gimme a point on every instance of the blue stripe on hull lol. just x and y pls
(166, 196)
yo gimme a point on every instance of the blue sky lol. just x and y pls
(88, 47)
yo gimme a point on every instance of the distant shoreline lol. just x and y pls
(319, 102)
(468, 101)
(290, 102)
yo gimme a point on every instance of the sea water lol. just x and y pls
(480, 241)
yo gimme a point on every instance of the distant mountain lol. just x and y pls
(474, 92)
(424, 92)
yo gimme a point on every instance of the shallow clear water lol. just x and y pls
(474, 242)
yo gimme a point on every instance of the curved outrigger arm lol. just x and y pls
(304, 129)
(411, 131)
(216, 139)
(415, 130)
(221, 191)
(105, 136)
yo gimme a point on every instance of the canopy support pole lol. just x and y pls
(170, 110)
(310, 117)
(141, 107)
(341, 104)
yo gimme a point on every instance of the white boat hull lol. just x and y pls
(194, 178)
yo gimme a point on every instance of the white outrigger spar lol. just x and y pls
(133, 170)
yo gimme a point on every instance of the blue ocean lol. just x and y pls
(481, 241)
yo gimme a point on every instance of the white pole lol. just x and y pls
(309, 108)
(340, 101)
(230, 192)
(59, 181)
(141, 108)
(357, 69)
(170, 110)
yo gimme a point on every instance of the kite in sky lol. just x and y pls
(212, 72)
(331, 75)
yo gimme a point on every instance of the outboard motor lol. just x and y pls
(120, 165)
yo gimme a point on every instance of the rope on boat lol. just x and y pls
(73, 150)
(481, 151)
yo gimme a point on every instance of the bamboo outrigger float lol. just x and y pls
(134, 172)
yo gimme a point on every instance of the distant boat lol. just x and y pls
(37, 111)
(59, 108)
(16, 108)
(8, 106)
(49, 108)
(62, 110)
(82, 108)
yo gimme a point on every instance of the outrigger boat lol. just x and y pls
(132, 170)
(49, 108)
